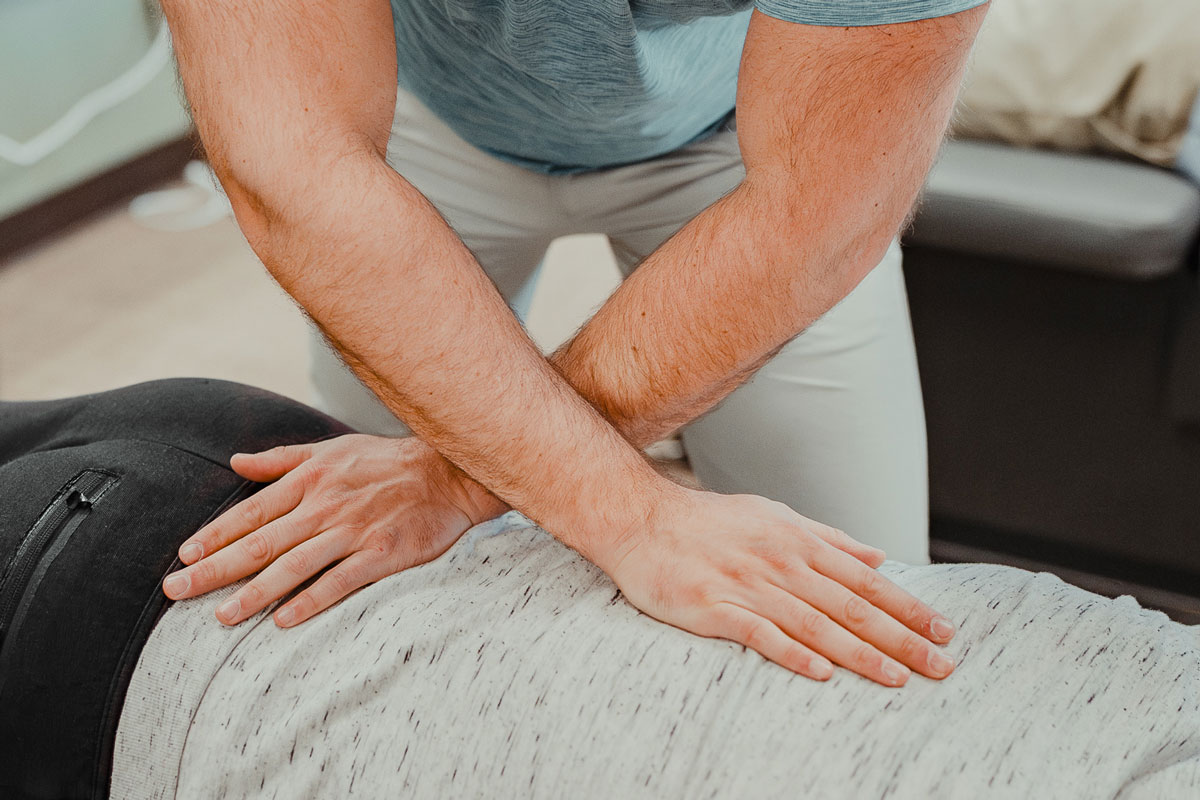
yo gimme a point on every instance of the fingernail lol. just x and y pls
(940, 663)
(942, 627)
(176, 584)
(285, 616)
(229, 609)
(822, 669)
(191, 552)
(895, 672)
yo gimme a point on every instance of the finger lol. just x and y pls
(269, 504)
(244, 557)
(283, 575)
(882, 593)
(270, 465)
(764, 637)
(872, 625)
(806, 624)
(871, 556)
(351, 574)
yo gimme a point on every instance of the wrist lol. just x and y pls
(604, 530)
(478, 503)
(467, 495)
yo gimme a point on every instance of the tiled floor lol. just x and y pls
(112, 303)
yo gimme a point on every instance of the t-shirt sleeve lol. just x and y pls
(861, 12)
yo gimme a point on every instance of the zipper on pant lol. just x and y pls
(66, 511)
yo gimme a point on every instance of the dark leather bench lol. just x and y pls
(1057, 318)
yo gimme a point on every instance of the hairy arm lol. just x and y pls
(294, 106)
(838, 128)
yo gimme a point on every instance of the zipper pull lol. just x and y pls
(77, 499)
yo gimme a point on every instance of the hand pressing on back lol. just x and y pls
(802, 594)
(736, 567)
(363, 506)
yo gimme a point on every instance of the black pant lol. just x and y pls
(96, 495)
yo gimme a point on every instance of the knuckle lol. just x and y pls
(341, 581)
(204, 573)
(252, 595)
(843, 539)
(873, 586)
(322, 504)
(252, 514)
(257, 547)
(702, 594)
(311, 473)
(867, 660)
(857, 611)
(798, 658)
(210, 539)
(775, 557)
(912, 649)
(297, 562)
(807, 544)
(918, 613)
(354, 525)
(751, 632)
(783, 511)
(810, 624)
(380, 544)
(328, 503)
(738, 572)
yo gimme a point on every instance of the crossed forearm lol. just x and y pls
(413, 314)
(701, 315)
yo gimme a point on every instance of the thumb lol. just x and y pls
(270, 465)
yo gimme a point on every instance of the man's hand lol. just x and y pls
(368, 505)
(801, 593)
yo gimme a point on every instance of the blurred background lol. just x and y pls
(1052, 271)
(118, 263)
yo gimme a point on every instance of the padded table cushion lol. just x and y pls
(1090, 214)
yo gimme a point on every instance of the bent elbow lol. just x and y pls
(273, 199)
(254, 214)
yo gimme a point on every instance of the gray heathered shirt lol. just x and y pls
(511, 667)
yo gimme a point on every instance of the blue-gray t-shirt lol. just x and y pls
(571, 85)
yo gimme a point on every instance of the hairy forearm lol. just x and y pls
(830, 181)
(408, 307)
(711, 306)
(295, 128)
(698, 317)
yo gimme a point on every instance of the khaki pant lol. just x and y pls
(833, 425)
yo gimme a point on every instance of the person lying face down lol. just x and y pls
(509, 665)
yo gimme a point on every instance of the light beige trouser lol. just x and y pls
(833, 425)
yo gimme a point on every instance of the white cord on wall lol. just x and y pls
(91, 105)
